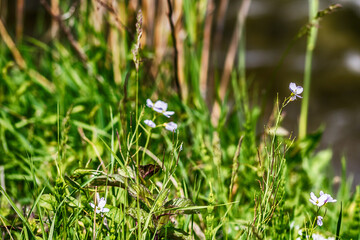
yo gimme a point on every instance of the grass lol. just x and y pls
(72, 127)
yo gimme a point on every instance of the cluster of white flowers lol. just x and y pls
(161, 107)
(320, 201)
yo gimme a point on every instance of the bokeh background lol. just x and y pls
(270, 28)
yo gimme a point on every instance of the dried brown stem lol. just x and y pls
(172, 26)
(67, 32)
(229, 60)
(205, 54)
(120, 25)
(19, 19)
(11, 45)
(21, 63)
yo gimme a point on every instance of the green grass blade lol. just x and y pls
(17, 210)
(339, 224)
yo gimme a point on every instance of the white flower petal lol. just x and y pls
(329, 198)
(97, 198)
(313, 197)
(149, 103)
(171, 126)
(159, 110)
(292, 87)
(150, 123)
(160, 106)
(169, 113)
(92, 205)
(105, 210)
(102, 203)
(299, 90)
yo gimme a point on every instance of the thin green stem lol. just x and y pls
(137, 154)
(147, 141)
(313, 224)
(313, 9)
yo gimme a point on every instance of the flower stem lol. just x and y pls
(137, 154)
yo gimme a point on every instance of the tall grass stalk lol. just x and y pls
(311, 41)
(136, 56)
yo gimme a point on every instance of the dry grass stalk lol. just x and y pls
(114, 43)
(176, 55)
(230, 59)
(19, 19)
(36, 76)
(148, 10)
(54, 29)
(3, 10)
(161, 31)
(67, 32)
(219, 31)
(205, 54)
(180, 36)
(97, 19)
(11, 45)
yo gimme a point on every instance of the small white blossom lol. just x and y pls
(171, 126)
(296, 90)
(160, 107)
(150, 123)
(319, 220)
(324, 198)
(100, 207)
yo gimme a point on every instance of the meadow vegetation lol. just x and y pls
(116, 124)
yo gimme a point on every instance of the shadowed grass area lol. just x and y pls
(82, 160)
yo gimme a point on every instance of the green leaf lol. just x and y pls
(161, 198)
(78, 173)
(48, 202)
(73, 202)
(339, 224)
